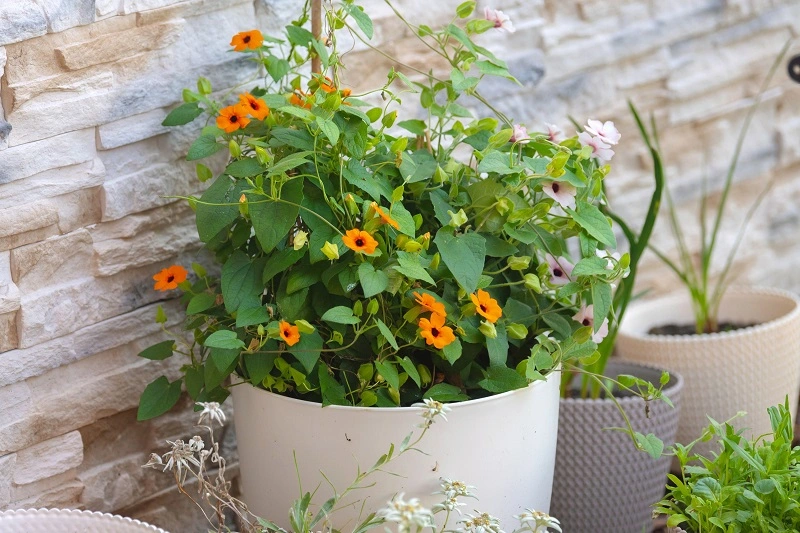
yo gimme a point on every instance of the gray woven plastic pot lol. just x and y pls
(602, 483)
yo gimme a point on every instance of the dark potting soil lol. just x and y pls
(689, 329)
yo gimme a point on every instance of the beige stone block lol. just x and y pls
(8, 332)
(57, 88)
(145, 190)
(131, 129)
(78, 209)
(17, 409)
(132, 6)
(54, 182)
(6, 473)
(55, 260)
(21, 364)
(184, 9)
(27, 223)
(116, 46)
(48, 458)
(65, 496)
(105, 8)
(71, 148)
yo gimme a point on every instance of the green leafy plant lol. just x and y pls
(750, 485)
(706, 294)
(367, 260)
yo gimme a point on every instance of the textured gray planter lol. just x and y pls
(601, 482)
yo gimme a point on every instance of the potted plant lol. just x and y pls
(735, 347)
(601, 483)
(368, 264)
(746, 485)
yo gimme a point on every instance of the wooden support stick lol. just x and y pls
(316, 29)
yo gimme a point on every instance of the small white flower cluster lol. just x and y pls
(537, 521)
(433, 409)
(452, 490)
(407, 514)
(481, 523)
(213, 411)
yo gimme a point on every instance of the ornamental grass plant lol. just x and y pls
(375, 260)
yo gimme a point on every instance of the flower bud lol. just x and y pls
(304, 326)
(504, 205)
(233, 148)
(366, 371)
(517, 331)
(373, 306)
(203, 172)
(435, 261)
(262, 156)
(350, 202)
(488, 329)
(457, 219)
(532, 282)
(424, 375)
(417, 221)
(401, 241)
(330, 250)
(203, 86)
(243, 208)
(412, 246)
(260, 330)
(300, 239)
(519, 263)
(358, 308)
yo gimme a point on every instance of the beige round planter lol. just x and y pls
(70, 521)
(748, 369)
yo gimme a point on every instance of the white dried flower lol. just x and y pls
(154, 462)
(537, 521)
(407, 514)
(196, 444)
(482, 523)
(433, 409)
(179, 458)
(213, 411)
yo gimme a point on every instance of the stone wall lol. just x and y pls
(86, 83)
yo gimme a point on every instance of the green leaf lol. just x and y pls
(193, 377)
(490, 69)
(213, 376)
(273, 220)
(387, 333)
(441, 206)
(280, 262)
(590, 266)
(329, 129)
(307, 350)
(444, 392)
(602, 294)
(200, 302)
(333, 392)
(291, 306)
(404, 219)
(412, 269)
(204, 146)
(765, 486)
(277, 67)
(560, 325)
(452, 352)
(288, 163)
(223, 358)
(299, 139)
(497, 247)
(498, 347)
(183, 114)
(372, 281)
(497, 162)
(244, 168)
(389, 373)
(224, 339)
(304, 276)
(212, 219)
(410, 369)
(361, 18)
(340, 315)
(241, 282)
(594, 222)
(651, 444)
(415, 126)
(465, 9)
(258, 365)
(251, 316)
(158, 398)
(158, 352)
(358, 176)
(502, 379)
(464, 256)
(299, 36)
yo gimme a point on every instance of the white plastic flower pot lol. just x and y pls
(70, 521)
(748, 369)
(504, 445)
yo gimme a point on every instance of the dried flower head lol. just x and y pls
(213, 411)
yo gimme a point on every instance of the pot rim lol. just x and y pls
(354, 408)
(676, 383)
(79, 513)
(710, 337)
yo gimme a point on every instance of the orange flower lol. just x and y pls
(430, 304)
(255, 106)
(247, 39)
(327, 85)
(486, 306)
(385, 218)
(232, 118)
(298, 98)
(435, 332)
(360, 241)
(346, 93)
(169, 278)
(289, 333)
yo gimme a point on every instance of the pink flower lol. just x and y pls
(586, 318)
(500, 19)
(600, 150)
(605, 130)
(520, 134)
(554, 133)
(562, 192)
(560, 269)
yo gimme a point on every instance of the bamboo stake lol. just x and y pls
(316, 29)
